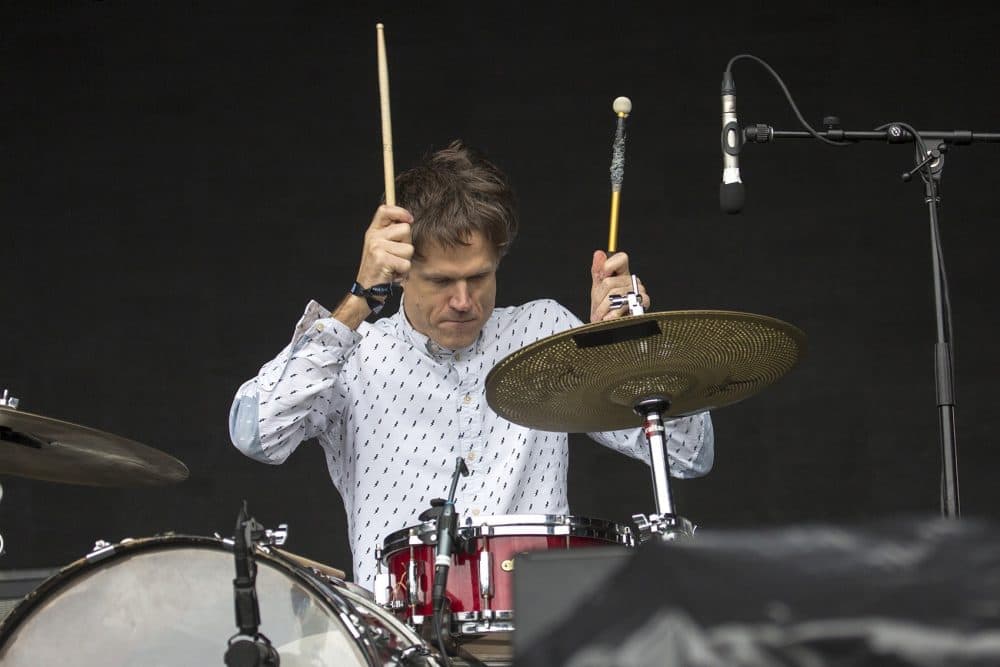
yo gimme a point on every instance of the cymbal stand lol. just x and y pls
(665, 524)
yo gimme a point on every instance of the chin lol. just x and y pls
(457, 343)
(456, 340)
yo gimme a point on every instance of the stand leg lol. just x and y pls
(665, 524)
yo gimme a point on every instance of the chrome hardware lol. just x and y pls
(412, 588)
(407, 654)
(485, 576)
(276, 537)
(631, 299)
(667, 527)
(100, 550)
(486, 627)
(9, 401)
(383, 583)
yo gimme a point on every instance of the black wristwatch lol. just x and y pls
(374, 296)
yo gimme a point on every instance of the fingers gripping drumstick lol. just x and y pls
(383, 93)
(622, 107)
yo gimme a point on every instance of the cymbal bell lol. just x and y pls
(39, 447)
(590, 378)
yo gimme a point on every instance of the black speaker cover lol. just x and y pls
(914, 592)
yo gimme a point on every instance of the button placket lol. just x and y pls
(467, 419)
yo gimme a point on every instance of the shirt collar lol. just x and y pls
(435, 351)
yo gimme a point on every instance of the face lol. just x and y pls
(450, 292)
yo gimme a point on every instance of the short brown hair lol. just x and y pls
(455, 192)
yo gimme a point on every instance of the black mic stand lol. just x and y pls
(447, 522)
(930, 163)
(248, 647)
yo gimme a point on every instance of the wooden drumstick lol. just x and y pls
(622, 107)
(383, 93)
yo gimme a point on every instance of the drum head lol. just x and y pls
(169, 601)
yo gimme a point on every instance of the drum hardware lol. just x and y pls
(485, 580)
(103, 548)
(8, 401)
(632, 299)
(276, 537)
(666, 527)
(383, 580)
(639, 370)
(249, 647)
(414, 591)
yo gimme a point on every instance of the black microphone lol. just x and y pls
(731, 191)
(446, 527)
(252, 649)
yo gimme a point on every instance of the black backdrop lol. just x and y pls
(178, 182)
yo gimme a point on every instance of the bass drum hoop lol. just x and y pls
(341, 602)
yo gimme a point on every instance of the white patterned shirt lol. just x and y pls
(393, 411)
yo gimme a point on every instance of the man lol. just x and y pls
(394, 403)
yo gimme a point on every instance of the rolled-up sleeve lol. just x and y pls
(295, 395)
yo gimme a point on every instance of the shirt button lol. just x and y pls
(475, 512)
(471, 456)
(458, 357)
(467, 399)
(319, 326)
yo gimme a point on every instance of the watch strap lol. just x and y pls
(374, 296)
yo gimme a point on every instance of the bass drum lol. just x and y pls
(168, 600)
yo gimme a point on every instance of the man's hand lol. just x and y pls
(610, 275)
(388, 249)
(385, 258)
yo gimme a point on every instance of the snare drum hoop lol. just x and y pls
(341, 602)
(555, 525)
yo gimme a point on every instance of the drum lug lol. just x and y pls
(409, 653)
(414, 594)
(101, 550)
(276, 537)
(485, 576)
(383, 581)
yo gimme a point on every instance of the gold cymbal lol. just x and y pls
(589, 378)
(43, 448)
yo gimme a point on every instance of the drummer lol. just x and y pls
(394, 402)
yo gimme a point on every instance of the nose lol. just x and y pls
(461, 298)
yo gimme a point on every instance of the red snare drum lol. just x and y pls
(480, 581)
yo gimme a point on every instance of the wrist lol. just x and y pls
(374, 295)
